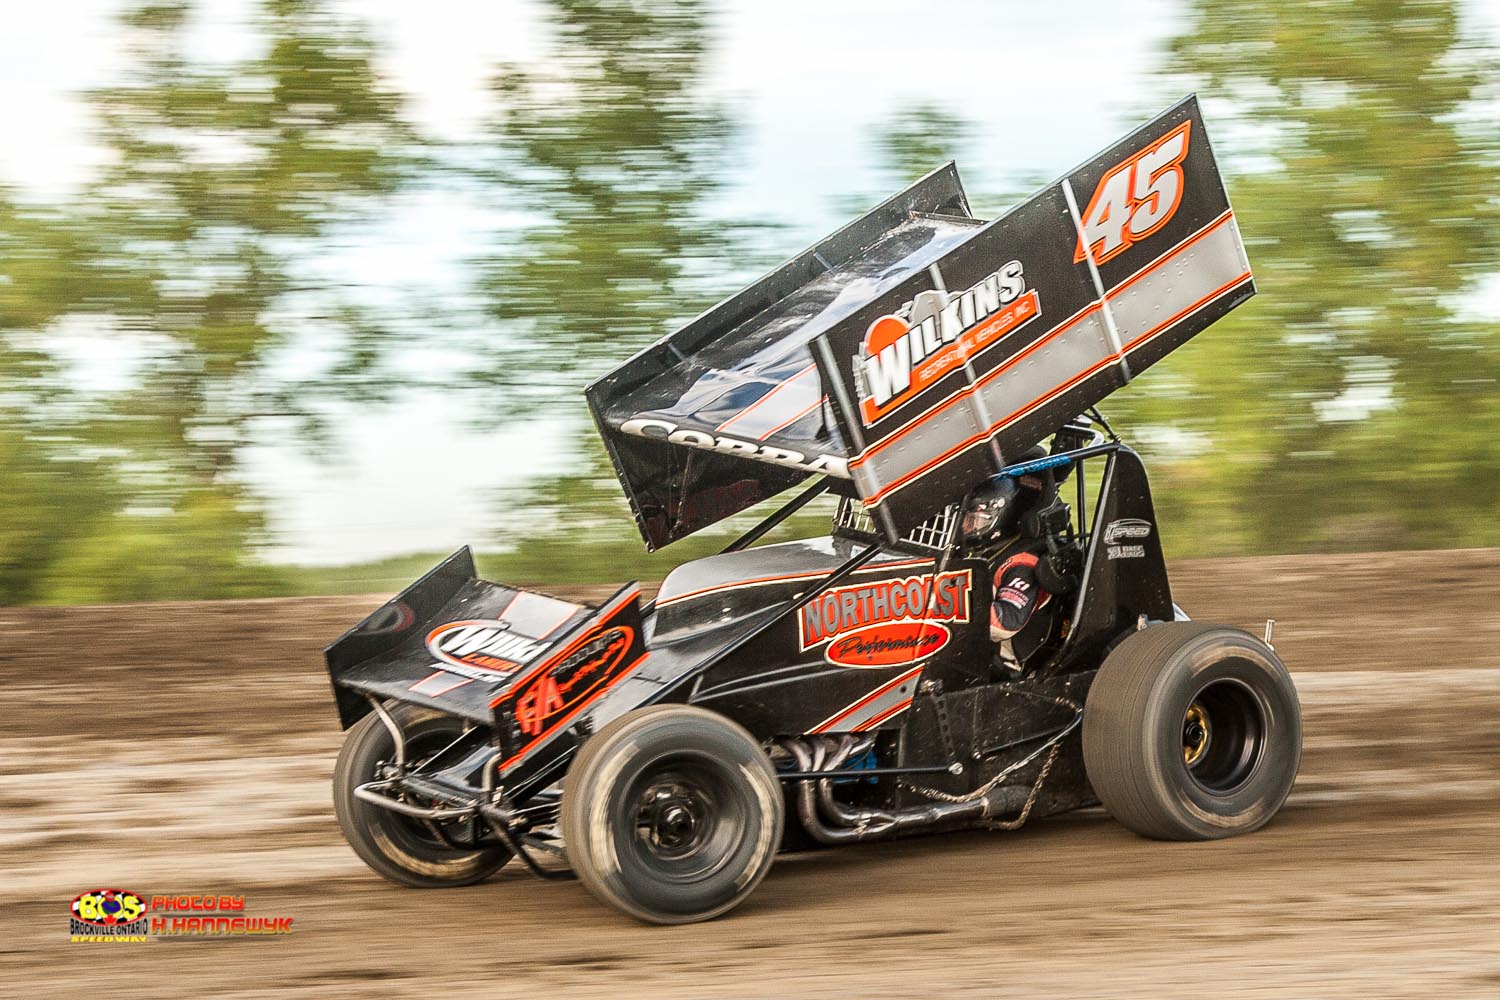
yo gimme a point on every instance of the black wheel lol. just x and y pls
(1192, 731)
(405, 850)
(671, 814)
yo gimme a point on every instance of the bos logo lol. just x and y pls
(108, 907)
(108, 916)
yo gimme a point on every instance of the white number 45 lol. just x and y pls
(1134, 198)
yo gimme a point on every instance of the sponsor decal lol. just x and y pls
(888, 645)
(1126, 552)
(1126, 527)
(1014, 592)
(1134, 198)
(486, 643)
(907, 351)
(845, 610)
(592, 666)
(118, 915)
(665, 430)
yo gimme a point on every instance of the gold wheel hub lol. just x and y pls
(1195, 734)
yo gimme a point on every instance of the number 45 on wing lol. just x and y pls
(1134, 198)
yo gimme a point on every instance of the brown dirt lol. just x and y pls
(187, 748)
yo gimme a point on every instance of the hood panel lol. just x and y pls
(725, 589)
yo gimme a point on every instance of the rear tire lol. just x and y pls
(1192, 731)
(400, 848)
(671, 814)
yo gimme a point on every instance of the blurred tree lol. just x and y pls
(914, 139)
(1352, 403)
(52, 484)
(222, 184)
(611, 155)
(911, 141)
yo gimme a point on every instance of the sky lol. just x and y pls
(810, 78)
(807, 80)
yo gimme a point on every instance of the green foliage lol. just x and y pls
(220, 184)
(1351, 404)
(914, 139)
(53, 498)
(164, 555)
(918, 138)
(612, 155)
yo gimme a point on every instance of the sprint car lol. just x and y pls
(985, 633)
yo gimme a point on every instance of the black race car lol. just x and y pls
(986, 634)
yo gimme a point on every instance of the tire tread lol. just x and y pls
(1121, 698)
(578, 792)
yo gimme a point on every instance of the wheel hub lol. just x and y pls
(671, 820)
(1196, 734)
(1223, 736)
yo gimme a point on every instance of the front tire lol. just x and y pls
(400, 848)
(1192, 731)
(671, 814)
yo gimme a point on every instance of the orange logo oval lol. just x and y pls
(487, 643)
(594, 664)
(890, 644)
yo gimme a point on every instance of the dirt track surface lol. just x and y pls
(187, 749)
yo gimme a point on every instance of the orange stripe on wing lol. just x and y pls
(424, 680)
(782, 426)
(1077, 317)
(978, 439)
(451, 687)
(1160, 327)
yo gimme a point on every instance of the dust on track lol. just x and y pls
(187, 748)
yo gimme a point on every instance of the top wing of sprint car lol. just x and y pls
(902, 360)
(918, 349)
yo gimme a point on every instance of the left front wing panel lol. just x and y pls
(450, 641)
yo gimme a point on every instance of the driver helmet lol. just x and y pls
(992, 510)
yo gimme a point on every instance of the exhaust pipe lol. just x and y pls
(830, 821)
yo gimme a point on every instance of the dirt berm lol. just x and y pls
(186, 748)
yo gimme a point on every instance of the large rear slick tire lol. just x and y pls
(1192, 731)
(402, 849)
(671, 814)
